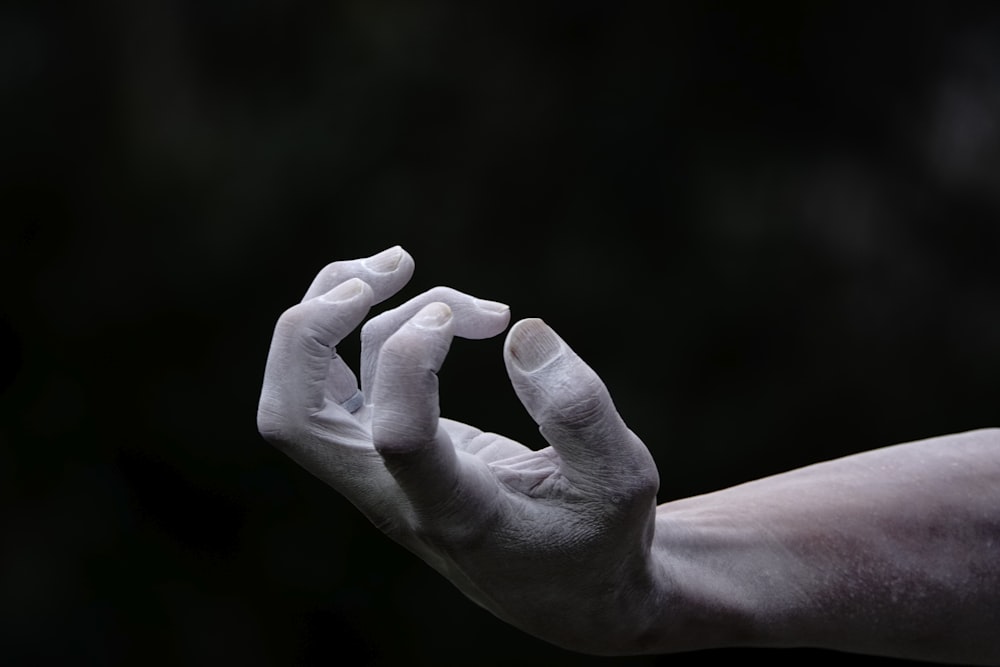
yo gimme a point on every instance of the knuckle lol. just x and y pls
(312, 321)
(272, 425)
(294, 318)
(645, 478)
(442, 293)
(580, 402)
(635, 489)
(276, 423)
(397, 356)
(404, 439)
(626, 506)
(335, 272)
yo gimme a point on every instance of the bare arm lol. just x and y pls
(892, 552)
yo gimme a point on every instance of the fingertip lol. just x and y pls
(386, 261)
(405, 267)
(495, 312)
(388, 271)
(391, 260)
(385, 273)
(349, 290)
(531, 344)
(492, 307)
(432, 316)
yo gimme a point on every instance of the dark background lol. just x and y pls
(772, 229)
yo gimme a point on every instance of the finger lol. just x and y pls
(296, 377)
(473, 318)
(386, 273)
(574, 411)
(406, 412)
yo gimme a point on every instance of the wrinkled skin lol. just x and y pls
(892, 552)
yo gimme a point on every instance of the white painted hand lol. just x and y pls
(895, 551)
(555, 541)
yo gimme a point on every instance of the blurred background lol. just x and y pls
(771, 228)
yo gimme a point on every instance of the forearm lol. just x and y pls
(893, 552)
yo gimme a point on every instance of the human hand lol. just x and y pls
(555, 541)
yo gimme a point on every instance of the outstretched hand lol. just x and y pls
(555, 540)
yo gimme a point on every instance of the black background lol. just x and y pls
(771, 228)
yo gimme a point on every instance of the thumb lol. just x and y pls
(574, 411)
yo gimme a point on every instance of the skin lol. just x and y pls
(892, 552)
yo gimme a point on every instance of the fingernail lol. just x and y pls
(533, 344)
(492, 306)
(385, 261)
(345, 291)
(432, 316)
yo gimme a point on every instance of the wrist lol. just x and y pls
(697, 599)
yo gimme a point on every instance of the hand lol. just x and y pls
(555, 541)
(566, 542)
